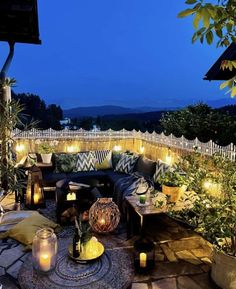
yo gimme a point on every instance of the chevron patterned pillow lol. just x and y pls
(85, 162)
(161, 168)
(126, 163)
(101, 155)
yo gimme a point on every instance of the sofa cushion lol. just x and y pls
(106, 164)
(115, 176)
(65, 163)
(161, 168)
(101, 155)
(85, 162)
(145, 167)
(126, 164)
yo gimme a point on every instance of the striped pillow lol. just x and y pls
(161, 168)
(85, 162)
(101, 155)
(126, 164)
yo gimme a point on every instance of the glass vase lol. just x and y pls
(44, 250)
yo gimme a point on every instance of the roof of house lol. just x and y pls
(215, 72)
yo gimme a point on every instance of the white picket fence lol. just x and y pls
(208, 148)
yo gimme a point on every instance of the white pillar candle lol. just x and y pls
(143, 260)
(45, 262)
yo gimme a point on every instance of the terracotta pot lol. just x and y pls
(46, 158)
(223, 270)
(174, 193)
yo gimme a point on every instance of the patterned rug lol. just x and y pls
(112, 271)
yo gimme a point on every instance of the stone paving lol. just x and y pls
(183, 258)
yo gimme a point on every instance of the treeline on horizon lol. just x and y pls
(199, 120)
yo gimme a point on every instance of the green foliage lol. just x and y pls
(45, 148)
(215, 22)
(202, 122)
(213, 215)
(36, 109)
(172, 178)
(84, 230)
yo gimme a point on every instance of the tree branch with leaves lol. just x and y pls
(215, 22)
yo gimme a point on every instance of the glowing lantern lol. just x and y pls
(34, 190)
(104, 215)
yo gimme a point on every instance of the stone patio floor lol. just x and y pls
(183, 258)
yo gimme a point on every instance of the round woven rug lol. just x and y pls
(114, 270)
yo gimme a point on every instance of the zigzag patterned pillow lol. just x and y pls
(101, 155)
(161, 168)
(126, 164)
(85, 162)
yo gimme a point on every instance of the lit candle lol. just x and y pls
(142, 199)
(71, 197)
(44, 262)
(143, 260)
(36, 198)
(102, 221)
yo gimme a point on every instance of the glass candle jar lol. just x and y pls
(142, 199)
(44, 250)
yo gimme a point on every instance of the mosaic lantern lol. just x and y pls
(44, 250)
(144, 255)
(34, 190)
(104, 215)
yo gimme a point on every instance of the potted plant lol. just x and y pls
(45, 150)
(173, 184)
(214, 213)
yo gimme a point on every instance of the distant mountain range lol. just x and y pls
(94, 111)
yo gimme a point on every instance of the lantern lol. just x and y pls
(104, 215)
(34, 190)
(144, 255)
(44, 250)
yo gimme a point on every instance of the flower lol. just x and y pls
(159, 200)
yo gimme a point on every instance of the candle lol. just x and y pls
(143, 260)
(71, 197)
(44, 262)
(36, 198)
(102, 221)
(142, 199)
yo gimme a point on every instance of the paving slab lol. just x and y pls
(165, 284)
(169, 253)
(185, 282)
(204, 281)
(139, 286)
(186, 244)
(8, 257)
(188, 256)
(14, 269)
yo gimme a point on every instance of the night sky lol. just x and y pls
(121, 52)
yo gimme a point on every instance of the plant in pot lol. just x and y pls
(214, 214)
(45, 150)
(173, 184)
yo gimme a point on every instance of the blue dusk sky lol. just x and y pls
(119, 52)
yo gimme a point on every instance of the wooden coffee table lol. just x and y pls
(143, 211)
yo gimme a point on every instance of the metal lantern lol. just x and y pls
(44, 250)
(144, 255)
(104, 215)
(34, 190)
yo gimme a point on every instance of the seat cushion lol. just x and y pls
(115, 176)
(145, 167)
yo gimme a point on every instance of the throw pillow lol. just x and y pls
(126, 164)
(65, 163)
(106, 164)
(101, 155)
(85, 162)
(25, 231)
(145, 167)
(161, 168)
